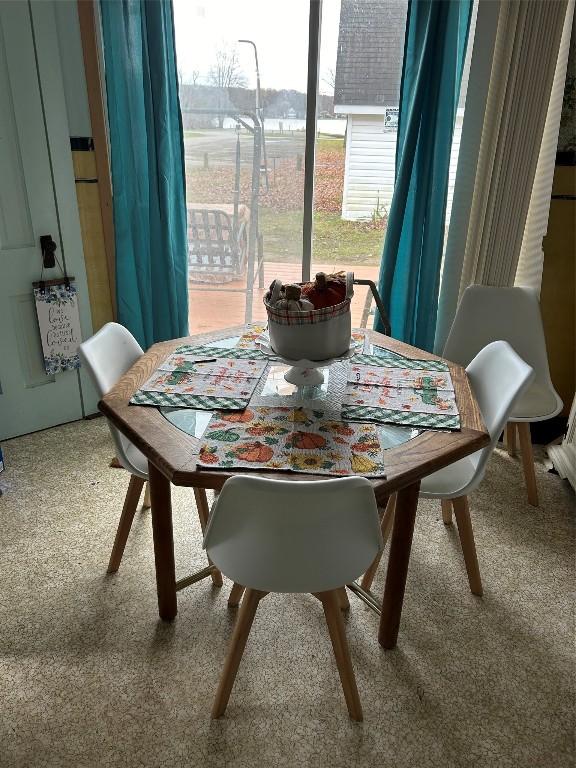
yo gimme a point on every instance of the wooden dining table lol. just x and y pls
(173, 453)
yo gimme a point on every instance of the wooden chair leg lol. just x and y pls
(128, 512)
(203, 512)
(332, 612)
(343, 599)
(385, 526)
(523, 428)
(235, 595)
(239, 638)
(146, 504)
(462, 514)
(446, 511)
(510, 437)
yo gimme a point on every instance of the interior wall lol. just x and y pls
(82, 147)
(72, 61)
(558, 284)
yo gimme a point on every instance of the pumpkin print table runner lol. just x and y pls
(417, 393)
(294, 439)
(251, 335)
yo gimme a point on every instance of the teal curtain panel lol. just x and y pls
(148, 176)
(434, 51)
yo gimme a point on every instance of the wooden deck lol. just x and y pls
(213, 307)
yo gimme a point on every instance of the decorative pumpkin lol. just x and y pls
(326, 290)
(238, 416)
(257, 452)
(291, 299)
(307, 440)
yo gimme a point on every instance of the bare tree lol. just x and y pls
(329, 77)
(226, 73)
(195, 76)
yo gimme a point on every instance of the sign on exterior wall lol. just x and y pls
(391, 117)
(59, 324)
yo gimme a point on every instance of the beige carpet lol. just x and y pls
(90, 677)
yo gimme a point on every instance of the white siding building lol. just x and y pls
(369, 168)
(367, 92)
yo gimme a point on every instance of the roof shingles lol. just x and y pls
(370, 52)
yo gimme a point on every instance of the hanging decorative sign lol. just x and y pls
(59, 323)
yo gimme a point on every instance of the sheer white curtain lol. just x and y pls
(514, 63)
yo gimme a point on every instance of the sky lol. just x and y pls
(278, 27)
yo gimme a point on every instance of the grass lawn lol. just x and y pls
(335, 241)
(331, 143)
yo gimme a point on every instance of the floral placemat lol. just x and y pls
(420, 395)
(400, 377)
(195, 380)
(224, 366)
(293, 439)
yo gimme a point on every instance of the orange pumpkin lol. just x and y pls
(257, 452)
(326, 290)
(238, 416)
(308, 440)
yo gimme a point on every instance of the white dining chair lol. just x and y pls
(282, 536)
(498, 377)
(488, 314)
(107, 356)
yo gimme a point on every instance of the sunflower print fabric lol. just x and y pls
(293, 439)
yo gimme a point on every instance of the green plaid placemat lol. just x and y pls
(182, 400)
(401, 418)
(393, 361)
(218, 352)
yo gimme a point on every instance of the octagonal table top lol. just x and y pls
(174, 452)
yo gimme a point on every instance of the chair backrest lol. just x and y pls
(107, 356)
(286, 536)
(498, 376)
(488, 314)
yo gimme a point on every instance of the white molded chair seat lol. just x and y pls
(135, 461)
(285, 536)
(453, 480)
(487, 314)
(538, 403)
(498, 377)
(107, 356)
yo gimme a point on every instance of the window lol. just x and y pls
(243, 71)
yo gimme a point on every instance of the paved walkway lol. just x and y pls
(215, 307)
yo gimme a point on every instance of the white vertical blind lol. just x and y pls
(531, 261)
(523, 68)
(526, 53)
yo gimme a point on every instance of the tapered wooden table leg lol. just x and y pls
(404, 518)
(160, 493)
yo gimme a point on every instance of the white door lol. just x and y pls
(29, 176)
